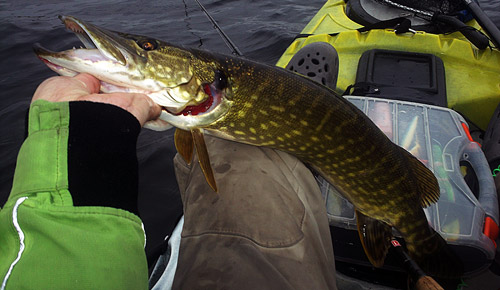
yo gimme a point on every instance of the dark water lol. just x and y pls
(262, 29)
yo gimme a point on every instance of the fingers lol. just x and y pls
(85, 87)
(89, 82)
(139, 105)
(59, 89)
(142, 107)
(154, 110)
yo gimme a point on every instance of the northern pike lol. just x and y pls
(248, 102)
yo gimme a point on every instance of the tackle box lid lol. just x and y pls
(466, 214)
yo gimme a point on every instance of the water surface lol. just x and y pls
(262, 29)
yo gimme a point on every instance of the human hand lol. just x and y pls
(85, 87)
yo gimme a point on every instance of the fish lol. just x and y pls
(241, 100)
(122, 67)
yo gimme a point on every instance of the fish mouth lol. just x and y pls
(102, 56)
(109, 57)
(100, 45)
(114, 59)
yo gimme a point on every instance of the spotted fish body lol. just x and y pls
(272, 107)
(262, 105)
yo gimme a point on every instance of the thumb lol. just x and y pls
(90, 83)
(65, 89)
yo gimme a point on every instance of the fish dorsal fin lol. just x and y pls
(428, 186)
(375, 236)
(201, 150)
(184, 144)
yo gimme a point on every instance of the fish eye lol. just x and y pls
(147, 44)
(220, 80)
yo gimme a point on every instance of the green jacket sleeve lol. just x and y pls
(70, 221)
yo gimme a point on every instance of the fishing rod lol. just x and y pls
(423, 282)
(476, 37)
(420, 279)
(226, 39)
(489, 27)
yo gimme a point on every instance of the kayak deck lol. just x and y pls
(472, 75)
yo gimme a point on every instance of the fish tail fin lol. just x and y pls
(435, 257)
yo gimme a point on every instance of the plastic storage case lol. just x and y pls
(439, 138)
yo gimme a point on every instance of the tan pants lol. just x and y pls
(266, 228)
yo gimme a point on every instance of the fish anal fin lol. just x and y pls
(203, 158)
(184, 144)
(375, 236)
(428, 186)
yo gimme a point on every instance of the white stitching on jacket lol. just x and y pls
(21, 240)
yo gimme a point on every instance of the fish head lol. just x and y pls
(170, 75)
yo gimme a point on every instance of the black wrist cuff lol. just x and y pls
(102, 161)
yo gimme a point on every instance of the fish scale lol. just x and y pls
(347, 123)
(367, 174)
(264, 105)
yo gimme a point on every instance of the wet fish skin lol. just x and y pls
(272, 107)
(122, 63)
(268, 106)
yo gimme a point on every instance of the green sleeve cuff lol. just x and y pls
(46, 242)
(42, 160)
(84, 148)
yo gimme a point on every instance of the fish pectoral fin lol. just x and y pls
(427, 183)
(184, 144)
(375, 236)
(203, 159)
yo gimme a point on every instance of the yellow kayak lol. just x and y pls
(472, 75)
